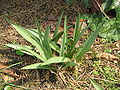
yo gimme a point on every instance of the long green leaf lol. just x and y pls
(35, 32)
(38, 25)
(57, 37)
(46, 63)
(38, 66)
(26, 49)
(62, 47)
(77, 39)
(10, 66)
(64, 40)
(66, 30)
(88, 43)
(55, 60)
(43, 40)
(55, 47)
(58, 25)
(46, 33)
(25, 33)
(31, 38)
(46, 43)
(76, 30)
(96, 85)
(51, 43)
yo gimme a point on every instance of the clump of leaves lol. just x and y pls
(110, 75)
(46, 48)
(110, 29)
(110, 4)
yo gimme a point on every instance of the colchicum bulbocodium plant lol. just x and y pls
(46, 48)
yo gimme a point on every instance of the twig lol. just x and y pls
(102, 10)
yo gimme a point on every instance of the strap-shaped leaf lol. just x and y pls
(46, 63)
(75, 37)
(46, 42)
(96, 85)
(26, 49)
(32, 39)
(38, 25)
(55, 60)
(38, 66)
(73, 49)
(25, 33)
(88, 43)
(35, 32)
(58, 25)
(65, 39)
(58, 36)
(54, 46)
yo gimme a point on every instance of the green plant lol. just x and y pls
(86, 3)
(110, 29)
(69, 2)
(110, 76)
(96, 85)
(46, 48)
(110, 4)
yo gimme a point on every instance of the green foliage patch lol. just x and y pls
(46, 48)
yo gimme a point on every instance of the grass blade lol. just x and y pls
(76, 30)
(10, 66)
(38, 25)
(76, 40)
(87, 44)
(96, 85)
(38, 66)
(25, 33)
(26, 49)
(57, 37)
(55, 47)
(64, 40)
(46, 33)
(46, 43)
(55, 60)
(30, 38)
(58, 25)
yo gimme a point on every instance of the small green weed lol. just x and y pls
(110, 29)
(109, 75)
(46, 48)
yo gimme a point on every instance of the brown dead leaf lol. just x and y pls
(8, 71)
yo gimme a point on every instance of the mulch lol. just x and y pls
(24, 12)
